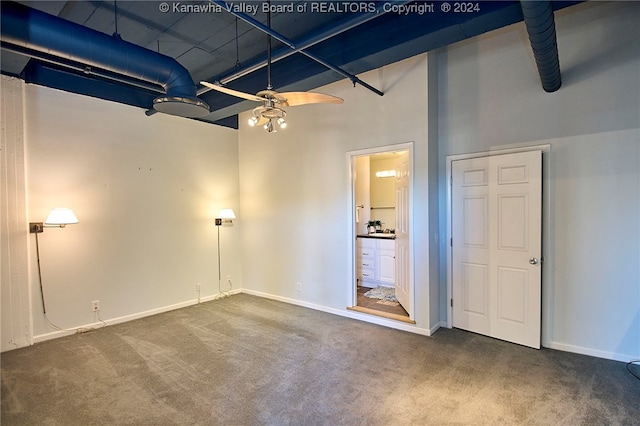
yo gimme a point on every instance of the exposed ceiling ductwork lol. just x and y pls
(28, 30)
(68, 46)
(541, 27)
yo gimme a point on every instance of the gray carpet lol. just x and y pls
(244, 360)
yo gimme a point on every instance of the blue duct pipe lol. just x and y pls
(43, 57)
(30, 29)
(538, 18)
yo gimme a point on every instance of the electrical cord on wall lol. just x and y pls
(221, 293)
(44, 307)
(96, 314)
(633, 373)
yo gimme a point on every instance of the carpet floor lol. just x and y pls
(245, 360)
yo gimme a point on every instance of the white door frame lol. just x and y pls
(407, 146)
(547, 300)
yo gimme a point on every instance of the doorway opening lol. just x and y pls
(381, 189)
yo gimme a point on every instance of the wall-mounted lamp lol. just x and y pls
(226, 217)
(58, 218)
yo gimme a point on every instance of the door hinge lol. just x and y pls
(451, 302)
(451, 242)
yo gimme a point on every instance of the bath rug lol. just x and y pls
(383, 293)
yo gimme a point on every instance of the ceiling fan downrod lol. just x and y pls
(271, 115)
(269, 86)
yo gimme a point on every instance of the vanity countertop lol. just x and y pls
(380, 235)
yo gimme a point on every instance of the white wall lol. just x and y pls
(294, 187)
(146, 188)
(146, 191)
(383, 192)
(16, 310)
(490, 97)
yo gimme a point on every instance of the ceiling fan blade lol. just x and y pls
(303, 98)
(232, 92)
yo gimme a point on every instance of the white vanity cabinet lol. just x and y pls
(376, 261)
(386, 261)
(366, 259)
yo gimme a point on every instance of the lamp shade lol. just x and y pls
(226, 214)
(61, 216)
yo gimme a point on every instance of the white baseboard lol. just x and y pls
(412, 328)
(398, 325)
(126, 318)
(385, 322)
(615, 356)
(441, 324)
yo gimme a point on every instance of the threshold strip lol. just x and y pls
(381, 314)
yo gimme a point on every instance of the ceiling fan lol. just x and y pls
(271, 115)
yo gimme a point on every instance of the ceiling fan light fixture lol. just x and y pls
(271, 113)
(269, 127)
(272, 116)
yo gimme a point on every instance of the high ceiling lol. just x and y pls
(213, 44)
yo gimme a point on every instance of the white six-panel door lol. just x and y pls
(496, 246)
(402, 260)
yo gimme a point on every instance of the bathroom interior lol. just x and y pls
(375, 197)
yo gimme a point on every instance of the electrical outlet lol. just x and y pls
(95, 305)
(197, 286)
(299, 286)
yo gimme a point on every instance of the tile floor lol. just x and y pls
(379, 305)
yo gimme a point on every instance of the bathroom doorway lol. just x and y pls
(381, 231)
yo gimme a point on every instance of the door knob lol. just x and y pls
(533, 261)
